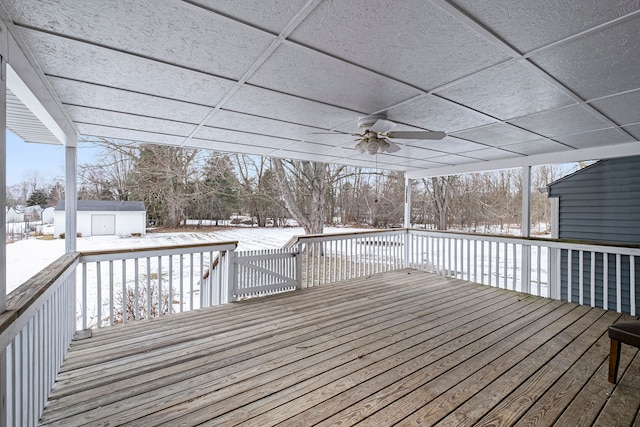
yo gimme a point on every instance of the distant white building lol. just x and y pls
(104, 218)
(48, 215)
(14, 215)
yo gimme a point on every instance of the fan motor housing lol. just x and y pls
(368, 121)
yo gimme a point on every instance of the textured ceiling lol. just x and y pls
(508, 81)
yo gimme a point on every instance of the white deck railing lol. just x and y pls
(119, 286)
(124, 285)
(35, 333)
(598, 275)
(330, 258)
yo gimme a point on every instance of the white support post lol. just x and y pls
(3, 183)
(70, 199)
(526, 229)
(554, 253)
(232, 278)
(407, 219)
(298, 257)
(407, 202)
(3, 213)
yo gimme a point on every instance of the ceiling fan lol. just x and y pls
(377, 135)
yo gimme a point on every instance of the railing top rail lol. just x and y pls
(310, 238)
(23, 297)
(585, 245)
(142, 252)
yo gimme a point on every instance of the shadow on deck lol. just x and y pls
(403, 347)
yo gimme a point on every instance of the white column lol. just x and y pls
(3, 215)
(407, 202)
(526, 201)
(526, 229)
(554, 268)
(3, 188)
(70, 199)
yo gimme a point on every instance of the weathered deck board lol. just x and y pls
(403, 347)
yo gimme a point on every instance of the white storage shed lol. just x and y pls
(104, 218)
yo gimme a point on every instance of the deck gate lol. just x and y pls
(265, 272)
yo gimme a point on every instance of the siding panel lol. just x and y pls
(600, 203)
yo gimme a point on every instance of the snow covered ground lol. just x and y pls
(27, 257)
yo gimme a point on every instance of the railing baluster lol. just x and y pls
(593, 279)
(111, 294)
(181, 283)
(605, 281)
(124, 291)
(136, 300)
(569, 275)
(497, 264)
(99, 295)
(539, 267)
(581, 277)
(84, 296)
(191, 270)
(159, 275)
(506, 263)
(170, 302)
(632, 285)
(618, 282)
(148, 315)
(489, 262)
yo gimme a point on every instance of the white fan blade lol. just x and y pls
(382, 126)
(392, 148)
(409, 134)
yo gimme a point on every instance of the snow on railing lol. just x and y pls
(35, 333)
(124, 285)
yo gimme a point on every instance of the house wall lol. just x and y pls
(600, 203)
(127, 222)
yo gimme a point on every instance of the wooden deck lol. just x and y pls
(404, 347)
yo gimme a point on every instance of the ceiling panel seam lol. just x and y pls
(583, 33)
(125, 52)
(300, 16)
(277, 42)
(107, 110)
(497, 41)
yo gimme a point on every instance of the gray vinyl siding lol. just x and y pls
(600, 203)
(600, 285)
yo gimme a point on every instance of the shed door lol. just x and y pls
(103, 225)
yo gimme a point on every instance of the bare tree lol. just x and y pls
(110, 177)
(164, 177)
(442, 189)
(303, 187)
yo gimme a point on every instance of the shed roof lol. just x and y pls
(106, 205)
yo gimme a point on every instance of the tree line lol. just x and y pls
(179, 184)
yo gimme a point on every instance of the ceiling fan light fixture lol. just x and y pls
(378, 137)
(372, 146)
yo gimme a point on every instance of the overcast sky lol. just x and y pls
(47, 159)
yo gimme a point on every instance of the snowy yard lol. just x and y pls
(27, 257)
